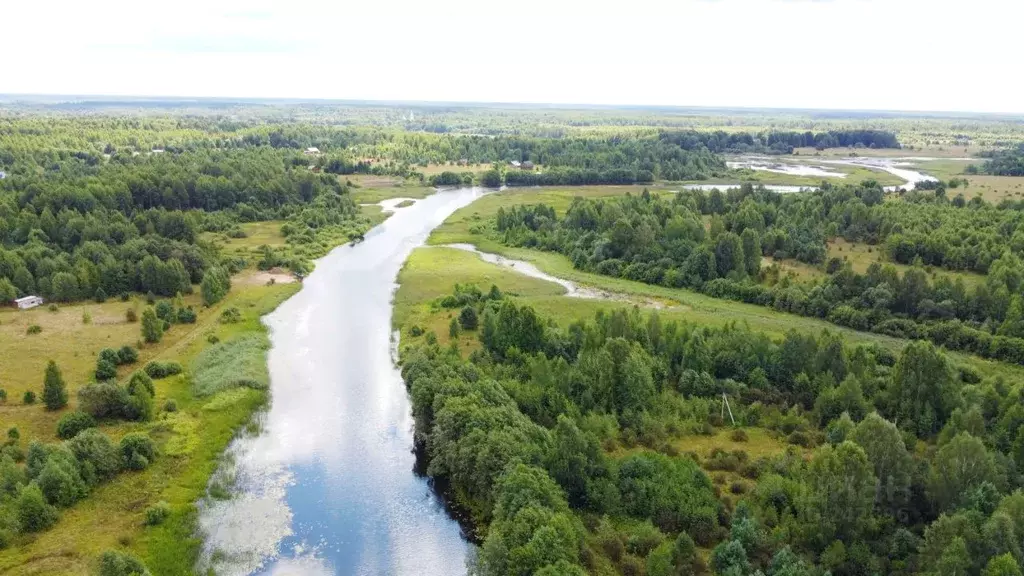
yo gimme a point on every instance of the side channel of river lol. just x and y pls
(327, 486)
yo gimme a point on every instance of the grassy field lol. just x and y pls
(860, 257)
(428, 275)
(268, 233)
(190, 439)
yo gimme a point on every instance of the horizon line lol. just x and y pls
(72, 98)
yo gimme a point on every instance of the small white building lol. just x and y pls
(28, 302)
(312, 151)
(3, 174)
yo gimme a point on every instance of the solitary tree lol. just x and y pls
(55, 393)
(152, 327)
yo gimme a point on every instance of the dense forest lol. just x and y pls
(74, 227)
(664, 240)
(563, 445)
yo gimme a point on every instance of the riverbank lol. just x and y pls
(190, 439)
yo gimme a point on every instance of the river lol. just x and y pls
(900, 167)
(327, 486)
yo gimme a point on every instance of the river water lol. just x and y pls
(328, 484)
(900, 167)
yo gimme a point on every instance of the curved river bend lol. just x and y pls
(327, 486)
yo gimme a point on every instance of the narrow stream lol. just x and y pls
(328, 484)
(572, 289)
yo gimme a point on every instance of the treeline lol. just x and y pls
(779, 142)
(664, 241)
(564, 444)
(80, 225)
(1006, 163)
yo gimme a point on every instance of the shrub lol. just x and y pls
(100, 296)
(29, 397)
(231, 316)
(131, 316)
(165, 311)
(96, 454)
(34, 514)
(3, 396)
(468, 318)
(137, 451)
(103, 400)
(72, 423)
(739, 435)
(34, 329)
(108, 354)
(86, 317)
(415, 331)
(127, 355)
(52, 307)
(186, 316)
(115, 563)
(141, 380)
(212, 339)
(157, 513)
(105, 370)
(171, 405)
(159, 370)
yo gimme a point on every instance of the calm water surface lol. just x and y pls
(327, 486)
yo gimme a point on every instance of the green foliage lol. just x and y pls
(55, 394)
(162, 369)
(29, 397)
(152, 327)
(924, 394)
(215, 285)
(157, 513)
(468, 318)
(137, 451)
(960, 466)
(240, 361)
(672, 492)
(116, 563)
(840, 494)
(892, 464)
(97, 457)
(230, 316)
(34, 513)
(1005, 565)
(72, 423)
(105, 370)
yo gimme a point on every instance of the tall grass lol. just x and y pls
(240, 361)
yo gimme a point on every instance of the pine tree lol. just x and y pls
(55, 393)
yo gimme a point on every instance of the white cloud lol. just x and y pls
(863, 54)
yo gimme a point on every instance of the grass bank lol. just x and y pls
(190, 439)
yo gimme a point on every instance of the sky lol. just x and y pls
(929, 55)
